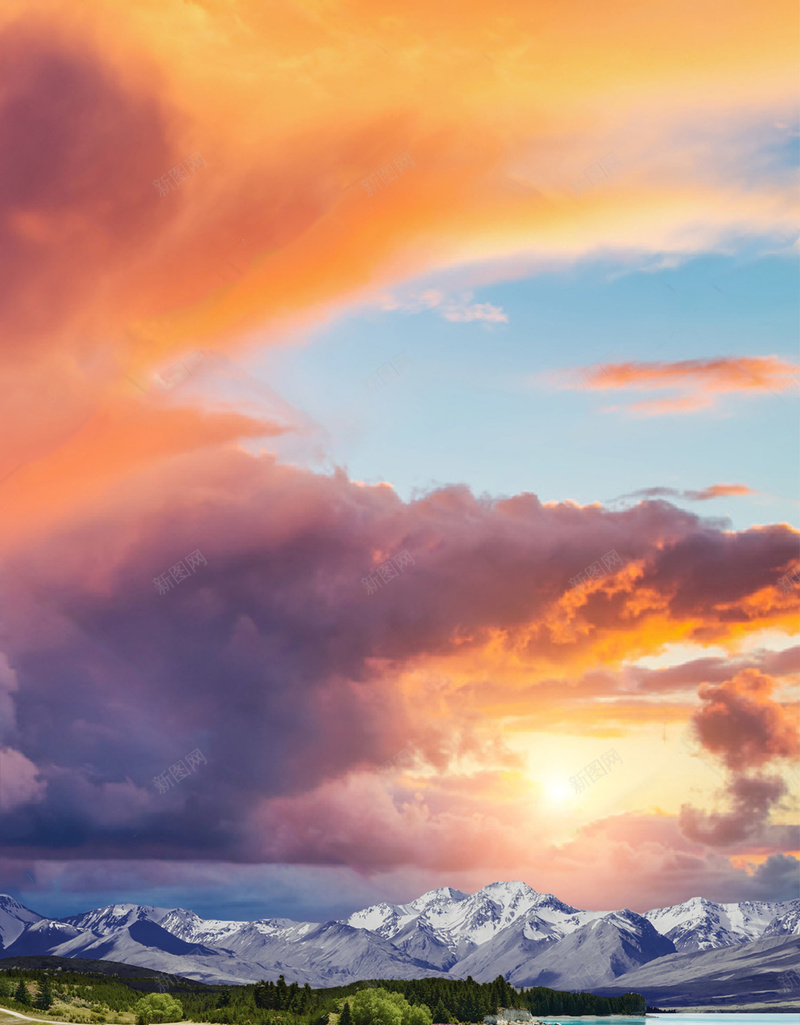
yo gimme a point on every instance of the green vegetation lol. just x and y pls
(157, 1007)
(94, 999)
(380, 1007)
(21, 994)
(44, 995)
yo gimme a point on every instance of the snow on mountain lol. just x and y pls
(41, 938)
(700, 924)
(336, 954)
(548, 921)
(787, 924)
(457, 919)
(441, 898)
(181, 943)
(129, 933)
(383, 919)
(421, 941)
(14, 919)
(506, 928)
(595, 953)
(493, 908)
(232, 935)
(115, 916)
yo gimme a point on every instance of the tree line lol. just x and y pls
(97, 998)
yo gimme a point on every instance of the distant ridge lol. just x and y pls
(505, 928)
(90, 966)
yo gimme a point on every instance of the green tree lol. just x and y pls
(374, 1007)
(264, 994)
(417, 1014)
(346, 1017)
(440, 1013)
(157, 1007)
(21, 993)
(380, 1007)
(44, 995)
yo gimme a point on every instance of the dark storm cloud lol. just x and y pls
(271, 658)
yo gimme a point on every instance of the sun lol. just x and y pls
(556, 790)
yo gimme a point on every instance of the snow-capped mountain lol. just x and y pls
(506, 928)
(595, 953)
(787, 924)
(459, 921)
(700, 924)
(14, 919)
(116, 916)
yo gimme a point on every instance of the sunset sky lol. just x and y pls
(478, 294)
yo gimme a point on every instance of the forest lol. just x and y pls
(95, 999)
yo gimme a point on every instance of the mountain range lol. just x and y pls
(692, 953)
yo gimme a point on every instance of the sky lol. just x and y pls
(398, 453)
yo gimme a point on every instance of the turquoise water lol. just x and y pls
(688, 1018)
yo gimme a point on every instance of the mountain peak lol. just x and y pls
(116, 915)
(506, 928)
(7, 901)
(513, 886)
(449, 891)
(12, 906)
(549, 900)
(443, 893)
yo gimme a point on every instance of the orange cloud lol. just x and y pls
(292, 108)
(743, 724)
(695, 383)
(703, 495)
(719, 491)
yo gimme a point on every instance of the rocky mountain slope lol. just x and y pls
(506, 928)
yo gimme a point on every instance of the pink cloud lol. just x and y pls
(694, 384)
(20, 782)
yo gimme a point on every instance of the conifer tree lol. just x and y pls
(440, 1014)
(44, 995)
(346, 1017)
(21, 993)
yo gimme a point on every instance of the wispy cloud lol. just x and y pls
(714, 491)
(693, 384)
(465, 311)
(461, 309)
